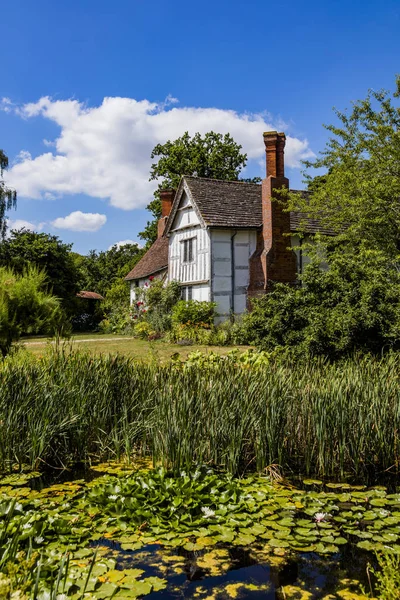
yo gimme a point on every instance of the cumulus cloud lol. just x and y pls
(18, 224)
(104, 151)
(125, 243)
(79, 221)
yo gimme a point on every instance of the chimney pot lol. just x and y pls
(274, 148)
(167, 198)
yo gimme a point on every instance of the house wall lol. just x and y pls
(141, 283)
(186, 225)
(230, 253)
(302, 259)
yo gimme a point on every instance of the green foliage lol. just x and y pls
(388, 575)
(353, 304)
(194, 312)
(235, 412)
(214, 155)
(25, 306)
(48, 253)
(100, 271)
(358, 195)
(8, 198)
(160, 300)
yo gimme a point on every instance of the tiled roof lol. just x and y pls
(238, 204)
(155, 260)
(89, 295)
(227, 203)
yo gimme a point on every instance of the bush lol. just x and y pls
(194, 312)
(25, 306)
(353, 305)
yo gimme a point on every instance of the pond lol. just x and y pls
(120, 532)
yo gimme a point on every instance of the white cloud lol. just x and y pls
(79, 221)
(124, 243)
(22, 224)
(104, 151)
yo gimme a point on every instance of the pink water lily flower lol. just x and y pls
(321, 517)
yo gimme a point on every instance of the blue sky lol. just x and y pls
(91, 86)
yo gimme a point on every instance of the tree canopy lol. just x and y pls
(213, 155)
(8, 198)
(49, 254)
(101, 270)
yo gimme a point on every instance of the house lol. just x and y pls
(226, 241)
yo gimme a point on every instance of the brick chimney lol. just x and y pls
(273, 261)
(167, 199)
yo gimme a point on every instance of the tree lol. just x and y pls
(353, 302)
(101, 270)
(25, 306)
(215, 156)
(358, 196)
(49, 254)
(8, 198)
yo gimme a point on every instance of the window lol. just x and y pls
(187, 292)
(188, 254)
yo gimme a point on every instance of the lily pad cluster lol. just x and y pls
(198, 516)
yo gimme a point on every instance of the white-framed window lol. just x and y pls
(188, 250)
(187, 292)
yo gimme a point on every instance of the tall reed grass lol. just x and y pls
(314, 418)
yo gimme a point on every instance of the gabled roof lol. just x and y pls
(154, 261)
(235, 204)
(222, 203)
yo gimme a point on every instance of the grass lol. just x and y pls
(315, 418)
(98, 343)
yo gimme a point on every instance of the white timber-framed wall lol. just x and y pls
(196, 272)
(231, 250)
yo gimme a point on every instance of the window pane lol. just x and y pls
(189, 292)
(190, 244)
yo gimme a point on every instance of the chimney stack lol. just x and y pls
(275, 151)
(273, 260)
(167, 199)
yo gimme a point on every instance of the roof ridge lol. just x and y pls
(220, 180)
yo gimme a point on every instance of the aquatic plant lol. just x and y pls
(239, 414)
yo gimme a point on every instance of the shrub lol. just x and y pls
(194, 312)
(25, 306)
(353, 305)
(142, 330)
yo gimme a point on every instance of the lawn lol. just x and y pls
(98, 343)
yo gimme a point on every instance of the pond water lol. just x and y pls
(136, 532)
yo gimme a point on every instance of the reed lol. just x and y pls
(314, 418)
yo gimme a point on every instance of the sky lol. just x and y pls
(89, 87)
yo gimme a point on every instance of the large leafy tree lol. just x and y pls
(8, 198)
(25, 306)
(213, 155)
(101, 270)
(49, 254)
(350, 293)
(359, 194)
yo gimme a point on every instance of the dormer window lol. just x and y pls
(188, 254)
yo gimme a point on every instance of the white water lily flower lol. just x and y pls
(39, 539)
(27, 526)
(207, 512)
(384, 513)
(320, 517)
(113, 497)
